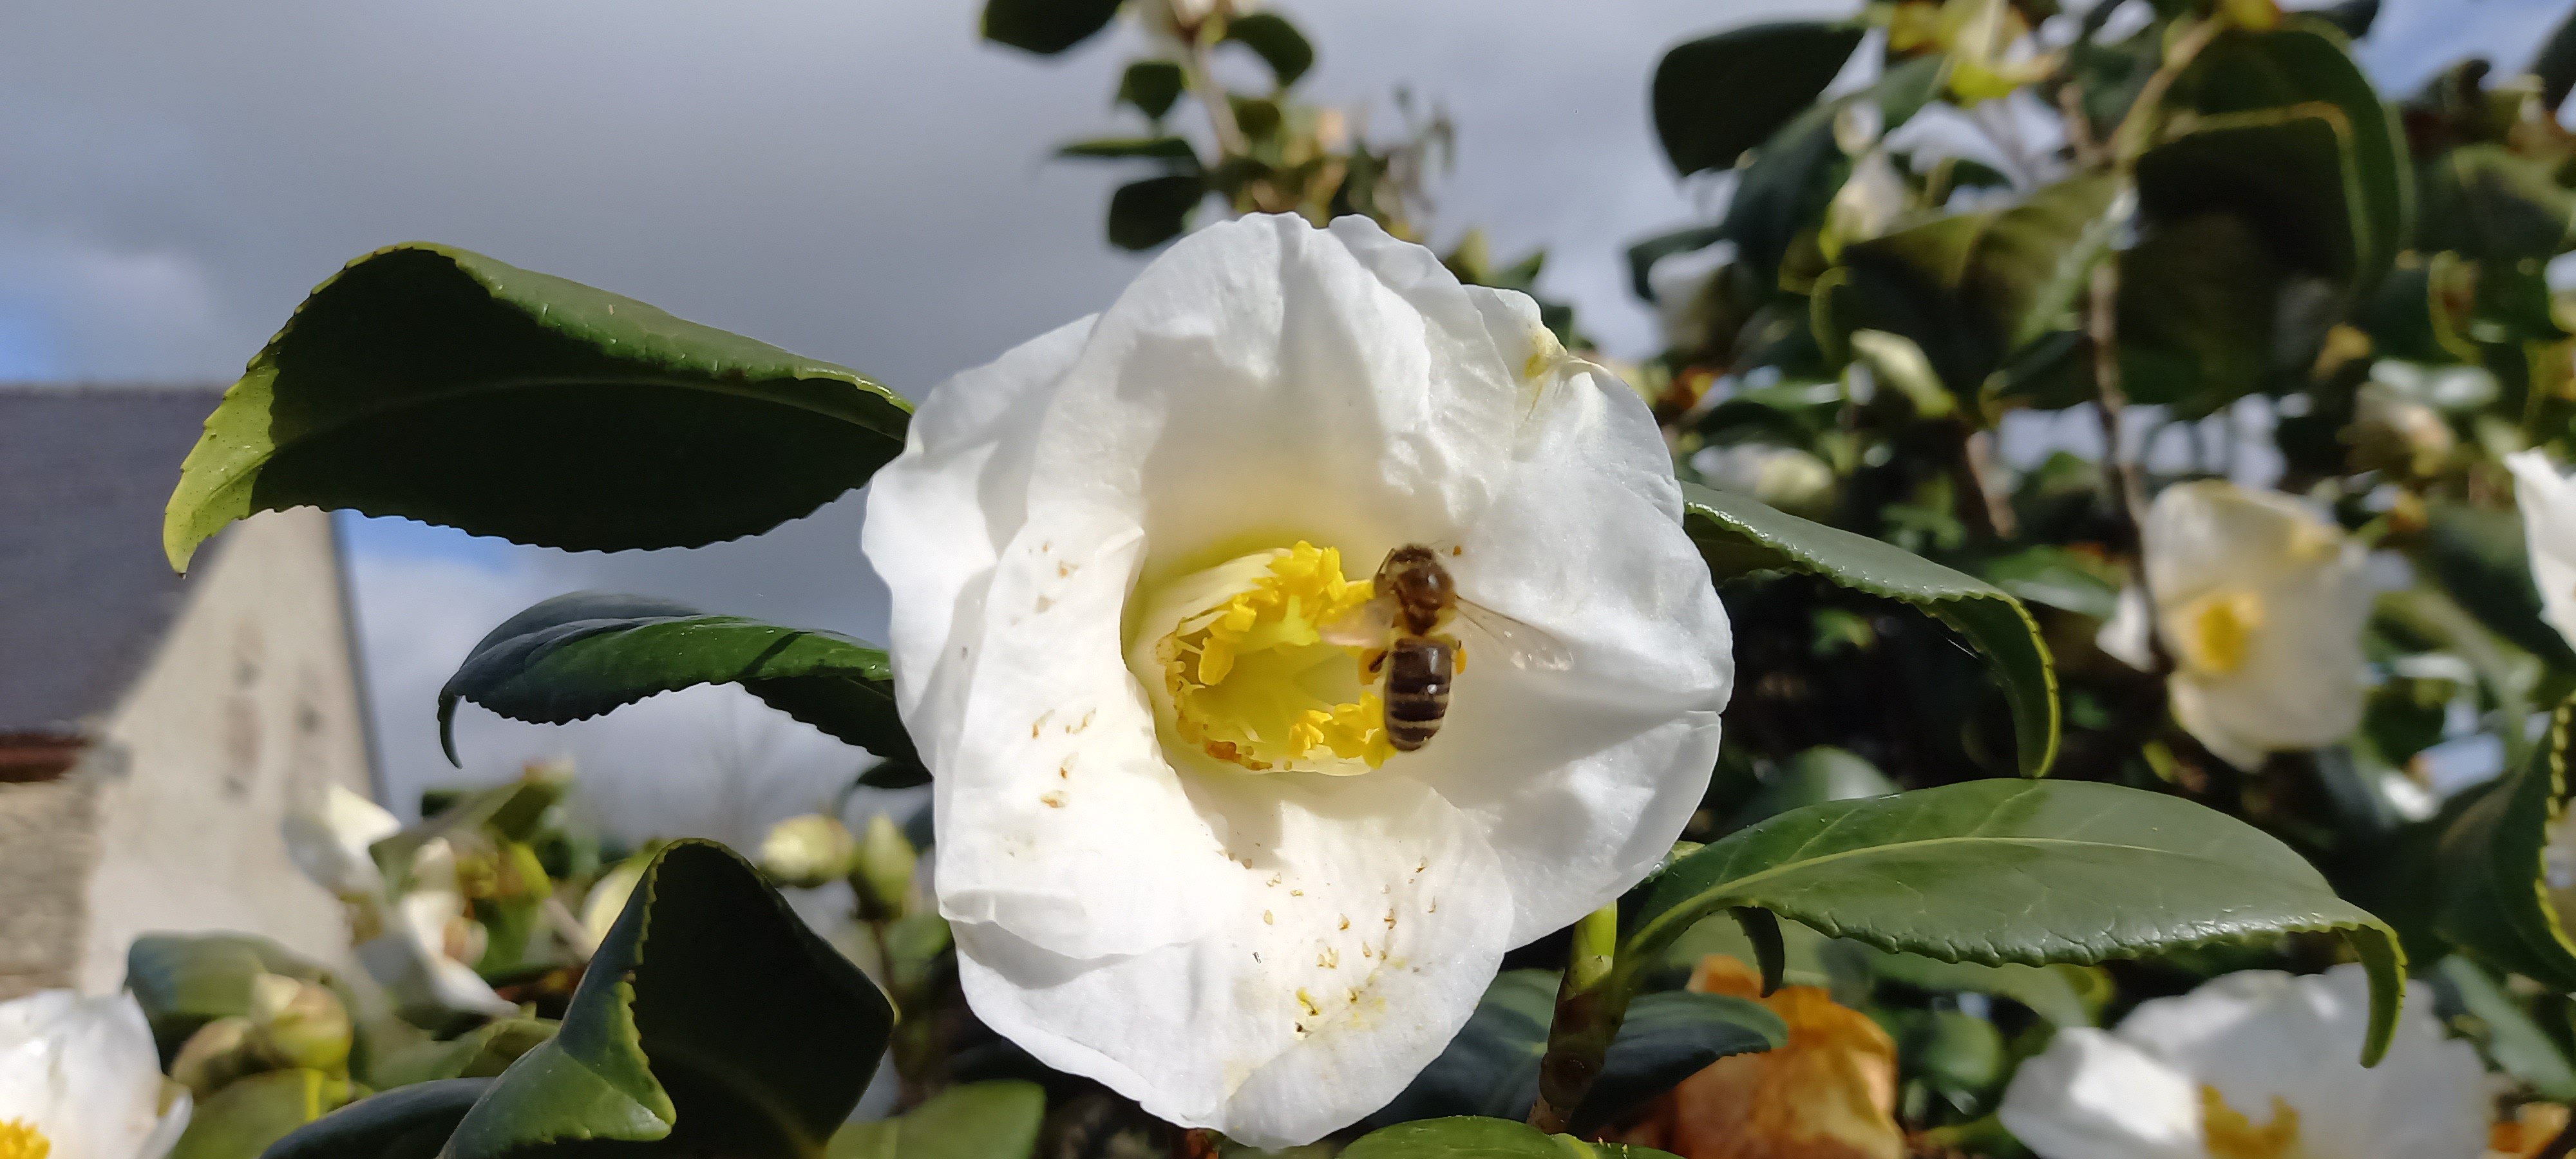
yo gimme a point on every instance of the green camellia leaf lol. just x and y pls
(434, 383)
(1720, 95)
(2489, 202)
(410, 1122)
(483, 1052)
(663, 1044)
(2494, 875)
(1156, 148)
(1468, 1137)
(1813, 777)
(1144, 214)
(1972, 288)
(2202, 318)
(1491, 1067)
(1643, 255)
(1739, 535)
(992, 1120)
(243, 1119)
(576, 656)
(2308, 62)
(2478, 556)
(2018, 871)
(1152, 86)
(2517, 1044)
(1669, 1037)
(1045, 27)
(1276, 41)
(2051, 992)
(1797, 169)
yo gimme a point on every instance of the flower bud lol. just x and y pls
(2393, 433)
(219, 1053)
(300, 1023)
(808, 850)
(884, 873)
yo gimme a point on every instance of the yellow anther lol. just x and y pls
(2231, 1135)
(19, 1139)
(1251, 679)
(2215, 632)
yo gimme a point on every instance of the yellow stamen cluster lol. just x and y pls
(19, 1139)
(1252, 680)
(2231, 1135)
(2215, 632)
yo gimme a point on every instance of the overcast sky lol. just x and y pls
(859, 180)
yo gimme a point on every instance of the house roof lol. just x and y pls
(85, 591)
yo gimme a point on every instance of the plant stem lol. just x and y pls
(2121, 475)
(1212, 97)
(1590, 1003)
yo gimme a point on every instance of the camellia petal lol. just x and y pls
(329, 842)
(1180, 851)
(81, 1079)
(2254, 1064)
(2548, 503)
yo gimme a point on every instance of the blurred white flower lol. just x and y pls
(1113, 556)
(2256, 1065)
(807, 850)
(1784, 477)
(2548, 503)
(2260, 602)
(80, 1079)
(329, 842)
(608, 896)
(425, 957)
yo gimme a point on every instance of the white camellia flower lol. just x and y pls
(424, 958)
(2257, 1065)
(329, 843)
(2548, 503)
(1180, 852)
(2260, 602)
(80, 1079)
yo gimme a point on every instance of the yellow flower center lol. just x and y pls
(2231, 1135)
(19, 1139)
(1246, 675)
(2215, 631)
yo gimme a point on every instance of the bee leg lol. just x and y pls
(1372, 663)
(1457, 654)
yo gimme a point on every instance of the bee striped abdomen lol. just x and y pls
(1418, 672)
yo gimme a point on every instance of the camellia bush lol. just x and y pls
(1359, 717)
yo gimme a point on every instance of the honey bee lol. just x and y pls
(1403, 626)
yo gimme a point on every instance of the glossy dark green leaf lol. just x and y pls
(2352, 18)
(2287, 171)
(410, 1122)
(991, 1120)
(482, 1052)
(2494, 874)
(1491, 1067)
(1046, 27)
(1668, 1037)
(1481, 1138)
(576, 656)
(2478, 556)
(1276, 41)
(1152, 86)
(663, 1044)
(243, 1119)
(1814, 777)
(2488, 202)
(1145, 214)
(1738, 535)
(2305, 69)
(1643, 255)
(1720, 95)
(2505, 1029)
(1797, 169)
(1972, 288)
(2205, 313)
(2018, 871)
(184, 981)
(2555, 64)
(434, 383)
(1155, 148)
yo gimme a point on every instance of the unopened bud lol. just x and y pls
(885, 864)
(2393, 433)
(808, 850)
(219, 1053)
(300, 1023)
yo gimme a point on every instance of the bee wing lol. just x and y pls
(1525, 646)
(1367, 626)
